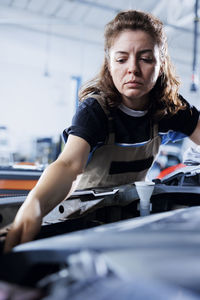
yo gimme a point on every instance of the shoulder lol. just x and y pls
(185, 120)
(91, 109)
(99, 101)
(89, 102)
(94, 101)
(89, 122)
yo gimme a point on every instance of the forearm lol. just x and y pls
(195, 136)
(53, 186)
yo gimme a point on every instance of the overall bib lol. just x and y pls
(113, 165)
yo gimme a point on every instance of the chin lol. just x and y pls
(133, 95)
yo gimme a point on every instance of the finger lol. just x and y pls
(29, 233)
(12, 239)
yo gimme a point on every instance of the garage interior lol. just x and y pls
(103, 248)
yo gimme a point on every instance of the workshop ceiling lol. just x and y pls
(85, 19)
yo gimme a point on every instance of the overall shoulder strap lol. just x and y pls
(154, 130)
(101, 100)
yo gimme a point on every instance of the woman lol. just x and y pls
(127, 111)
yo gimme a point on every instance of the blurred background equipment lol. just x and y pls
(47, 150)
(6, 155)
(195, 75)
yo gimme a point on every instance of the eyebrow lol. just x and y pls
(146, 51)
(141, 51)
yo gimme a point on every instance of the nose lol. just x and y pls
(133, 67)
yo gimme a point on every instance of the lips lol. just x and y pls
(133, 84)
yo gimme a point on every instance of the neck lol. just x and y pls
(136, 104)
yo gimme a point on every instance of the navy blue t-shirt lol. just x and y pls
(131, 127)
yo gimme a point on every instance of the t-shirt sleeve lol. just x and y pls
(184, 121)
(89, 123)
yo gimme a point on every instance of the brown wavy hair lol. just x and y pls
(164, 95)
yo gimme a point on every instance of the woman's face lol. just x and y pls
(134, 66)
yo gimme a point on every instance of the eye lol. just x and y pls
(120, 60)
(147, 59)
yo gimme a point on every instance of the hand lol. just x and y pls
(25, 227)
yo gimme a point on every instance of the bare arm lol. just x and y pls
(53, 186)
(195, 136)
